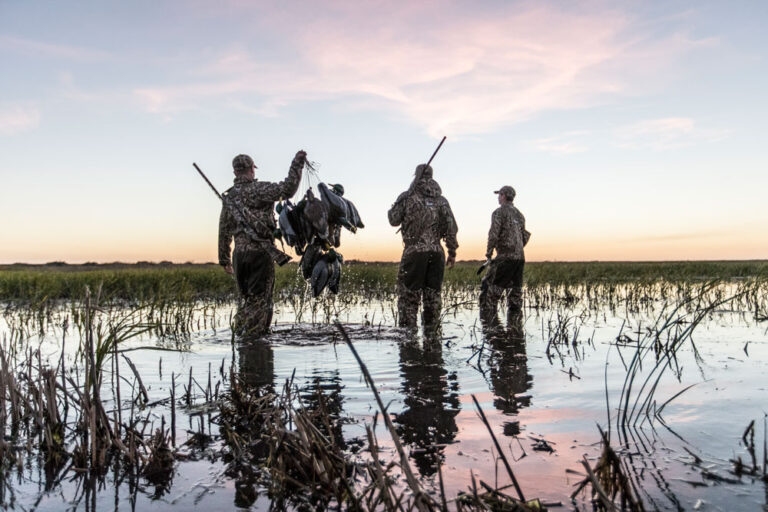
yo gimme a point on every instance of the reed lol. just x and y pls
(609, 481)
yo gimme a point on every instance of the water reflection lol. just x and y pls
(256, 367)
(508, 369)
(250, 419)
(322, 393)
(254, 378)
(428, 421)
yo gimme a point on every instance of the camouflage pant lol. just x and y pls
(420, 277)
(503, 274)
(255, 275)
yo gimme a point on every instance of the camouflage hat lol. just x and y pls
(508, 191)
(242, 163)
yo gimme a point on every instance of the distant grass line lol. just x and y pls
(189, 282)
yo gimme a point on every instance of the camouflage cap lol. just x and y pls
(508, 191)
(242, 163)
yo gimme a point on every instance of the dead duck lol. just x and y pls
(316, 212)
(352, 214)
(309, 259)
(284, 221)
(338, 210)
(320, 275)
(335, 272)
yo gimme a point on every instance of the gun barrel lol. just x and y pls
(436, 150)
(207, 180)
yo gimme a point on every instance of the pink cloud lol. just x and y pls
(18, 118)
(446, 68)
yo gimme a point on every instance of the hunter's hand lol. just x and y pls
(228, 269)
(449, 262)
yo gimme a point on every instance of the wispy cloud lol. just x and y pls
(567, 143)
(17, 118)
(47, 49)
(666, 133)
(462, 72)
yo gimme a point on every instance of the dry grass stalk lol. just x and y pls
(609, 480)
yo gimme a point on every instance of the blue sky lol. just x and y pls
(631, 131)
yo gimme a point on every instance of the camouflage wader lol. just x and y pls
(420, 277)
(255, 275)
(504, 274)
(426, 219)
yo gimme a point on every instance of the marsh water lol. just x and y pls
(545, 382)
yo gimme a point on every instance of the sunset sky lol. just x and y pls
(631, 130)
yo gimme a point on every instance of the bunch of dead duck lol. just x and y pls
(313, 228)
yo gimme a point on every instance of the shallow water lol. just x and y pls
(528, 389)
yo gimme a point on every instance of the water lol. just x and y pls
(535, 396)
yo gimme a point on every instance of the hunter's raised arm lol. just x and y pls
(289, 186)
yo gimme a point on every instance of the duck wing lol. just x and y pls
(320, 275)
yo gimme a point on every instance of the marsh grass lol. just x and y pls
(54, 410)
(35, 284)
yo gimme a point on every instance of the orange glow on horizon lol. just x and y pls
(384, 252)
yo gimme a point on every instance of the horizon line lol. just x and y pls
(354, 260)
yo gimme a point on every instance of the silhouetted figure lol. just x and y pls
(508, 237)
(425, 218)
(253, 267)
(431, 402)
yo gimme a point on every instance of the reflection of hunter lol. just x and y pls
(430, 403)
(247, 215)
(508, 365)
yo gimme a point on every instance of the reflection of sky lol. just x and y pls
(629, 133)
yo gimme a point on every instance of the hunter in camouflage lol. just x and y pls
(254, 245)
(508, 237)
(426, 219)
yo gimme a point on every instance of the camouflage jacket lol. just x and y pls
(507, 234)
(256, 199)
(426, 218)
